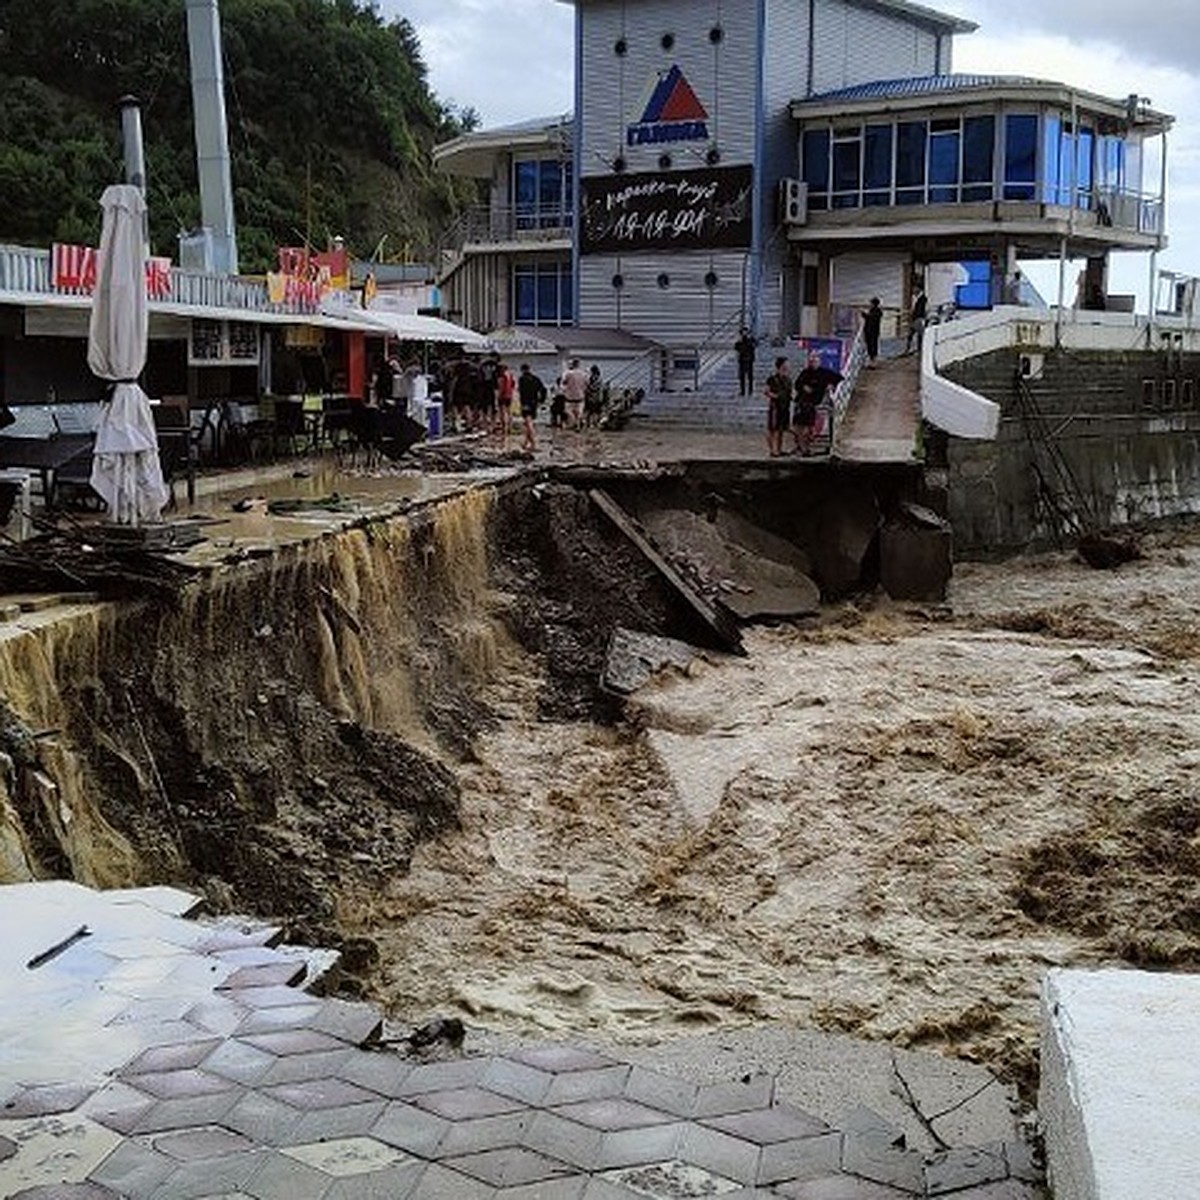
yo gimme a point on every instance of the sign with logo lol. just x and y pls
(679, 210)
(830, 350)
(673, 113)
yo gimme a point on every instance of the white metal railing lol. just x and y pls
(26, 270)
(839, 401)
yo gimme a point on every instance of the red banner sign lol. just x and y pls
(73, 271)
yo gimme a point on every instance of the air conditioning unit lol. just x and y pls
(793, 202)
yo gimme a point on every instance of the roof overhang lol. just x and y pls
(1019, 91)
(76, 312)
(917, 12)
(473, 155)
(414, 327)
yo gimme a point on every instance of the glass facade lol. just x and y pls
(542, 193)
(542, 294)
(967, 158)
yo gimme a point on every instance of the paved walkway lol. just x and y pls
(884, 413)
(147, 1055)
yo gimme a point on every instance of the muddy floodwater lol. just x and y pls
(890, 822)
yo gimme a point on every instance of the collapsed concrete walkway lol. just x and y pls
(147, 1055)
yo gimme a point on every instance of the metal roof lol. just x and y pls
(920, 90)
(906, 8)
(920, 85)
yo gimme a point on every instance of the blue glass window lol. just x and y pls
(816, 167)
(944, 137)
(847, 167)
(979, 139)
(542, 294)
(542, 193)
(1020, 156)
(877, 165)
(1055, 162)
(910, 162)
(1083, 171)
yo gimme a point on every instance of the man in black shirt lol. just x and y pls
(811, 385)
(745, 347)
(778, 391)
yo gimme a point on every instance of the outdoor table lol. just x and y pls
(46, 456)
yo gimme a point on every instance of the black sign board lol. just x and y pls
(675, 210)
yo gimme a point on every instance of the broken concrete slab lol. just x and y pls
(844, 528)
(756, 573)
(634, 658)
(916, 555)
(717, 618)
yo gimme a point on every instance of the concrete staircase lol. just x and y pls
(716, 407)
(880, 424)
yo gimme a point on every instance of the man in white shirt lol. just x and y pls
(574, 389)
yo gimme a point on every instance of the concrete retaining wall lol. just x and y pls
(1112, 435)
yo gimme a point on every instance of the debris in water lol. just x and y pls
(1107, 550)
(443, 1030)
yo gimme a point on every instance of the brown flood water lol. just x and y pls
(890, 823)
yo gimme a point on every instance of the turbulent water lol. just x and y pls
(890, 822)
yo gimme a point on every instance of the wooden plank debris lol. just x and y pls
(718, 619)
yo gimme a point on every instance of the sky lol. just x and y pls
(513, 59)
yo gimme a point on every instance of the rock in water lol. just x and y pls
(1107, 550)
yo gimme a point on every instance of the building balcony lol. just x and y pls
(1110, 220)
(518, 227)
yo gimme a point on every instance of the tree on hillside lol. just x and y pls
(331, 123)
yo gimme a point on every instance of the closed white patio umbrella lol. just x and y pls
(125, 467)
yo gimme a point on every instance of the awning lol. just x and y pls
(412, 327)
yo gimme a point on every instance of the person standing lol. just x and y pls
(506, 391)
(532, 394)
(574, 389)
(745, 347)
(872, 324)
(778, 391)
(593, 398)
(917, 319)
(811, 385)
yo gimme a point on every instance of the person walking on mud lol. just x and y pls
(532, 393)
(778, 391)
(574, 388)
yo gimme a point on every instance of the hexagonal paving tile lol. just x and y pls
(671, 1180)
(347, 1156)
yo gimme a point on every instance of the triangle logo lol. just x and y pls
(674, 100)
(673, 113)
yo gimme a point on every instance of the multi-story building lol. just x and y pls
(777, 164)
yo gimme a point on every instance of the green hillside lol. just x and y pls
(331, 121)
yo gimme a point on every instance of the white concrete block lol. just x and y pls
(1120, 1084)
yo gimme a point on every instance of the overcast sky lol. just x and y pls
(513, 59)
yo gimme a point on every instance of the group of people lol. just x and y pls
(795, 404)
(485, 395)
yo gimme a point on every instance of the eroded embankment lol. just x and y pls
(287, 730)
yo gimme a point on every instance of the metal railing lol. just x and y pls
(25, 270)
(840, 400)
(501, 223)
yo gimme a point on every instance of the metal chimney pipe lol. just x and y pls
(131, 142)
(212, 142)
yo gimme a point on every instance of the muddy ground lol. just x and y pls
(888, 820)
